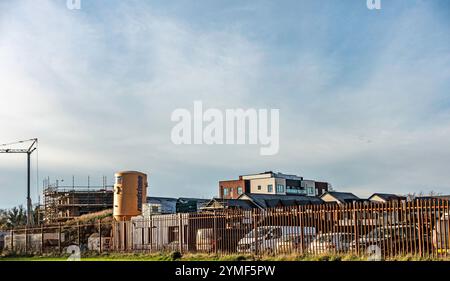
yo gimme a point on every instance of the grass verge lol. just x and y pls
(176, 256)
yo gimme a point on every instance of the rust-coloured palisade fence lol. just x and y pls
(57, 238)
(376, 230)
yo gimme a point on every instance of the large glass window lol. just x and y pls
(239, 190)
(225, 192)
(270, 188)
(280, 188)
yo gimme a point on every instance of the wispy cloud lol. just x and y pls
(364, 103)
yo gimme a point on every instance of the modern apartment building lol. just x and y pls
(271, 183)
(232, 189)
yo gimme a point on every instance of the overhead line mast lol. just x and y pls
(28, 151)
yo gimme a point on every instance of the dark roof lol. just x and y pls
(231, 203)
(160, 199)
(388, 196)
(443, 197)
(193, 199)
(343, 197)
(439, 197)
(271, 200)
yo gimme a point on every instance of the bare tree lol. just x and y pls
(434, 193)
(3, 219)
(411, 196)
(16, 216)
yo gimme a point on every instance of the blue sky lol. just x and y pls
(364, 95)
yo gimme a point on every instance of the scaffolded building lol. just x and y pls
(62, 203)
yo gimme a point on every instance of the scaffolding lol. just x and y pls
(62, 203)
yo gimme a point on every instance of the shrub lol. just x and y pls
(176, 255)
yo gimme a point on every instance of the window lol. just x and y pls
(259, 187)
(155, 209)
(280, 188)
(260, 232)
(270, 188)
(239, 190)
(292, 189)
(225, 192)
(173, 233)
(276, 233)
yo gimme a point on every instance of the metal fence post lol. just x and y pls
(302, 229)
(132, 225)
(151, 233)
(356, 227)
(26, 239)
(255, 229)
(114, 235)
(143, 224)
(12, 239)
(215, 232)
(100, 235)
(78, 234)
(418, 208)
(123, 236)
(42, 239)
(180, 234)
(59, 238)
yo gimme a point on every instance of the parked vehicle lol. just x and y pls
(441, 236)
(331, 242)
(392, 238)
(294, 243)
(266, 238)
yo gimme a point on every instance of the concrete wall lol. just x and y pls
(310, 187)
(280, 181)
(155, 232)
(263, 183)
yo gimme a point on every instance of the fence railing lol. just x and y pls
(377, 230)
(56, 239)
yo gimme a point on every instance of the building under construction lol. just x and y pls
(62, 203)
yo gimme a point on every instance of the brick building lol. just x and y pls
(271, 183)
(232, 189)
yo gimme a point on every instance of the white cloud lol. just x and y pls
(99, 93)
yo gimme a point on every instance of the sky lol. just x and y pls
(364, 95)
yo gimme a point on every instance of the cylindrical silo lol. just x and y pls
(130, 192)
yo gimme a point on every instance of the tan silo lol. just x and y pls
(130, 192)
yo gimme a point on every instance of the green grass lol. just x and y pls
(206, 257)
(133, 257)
